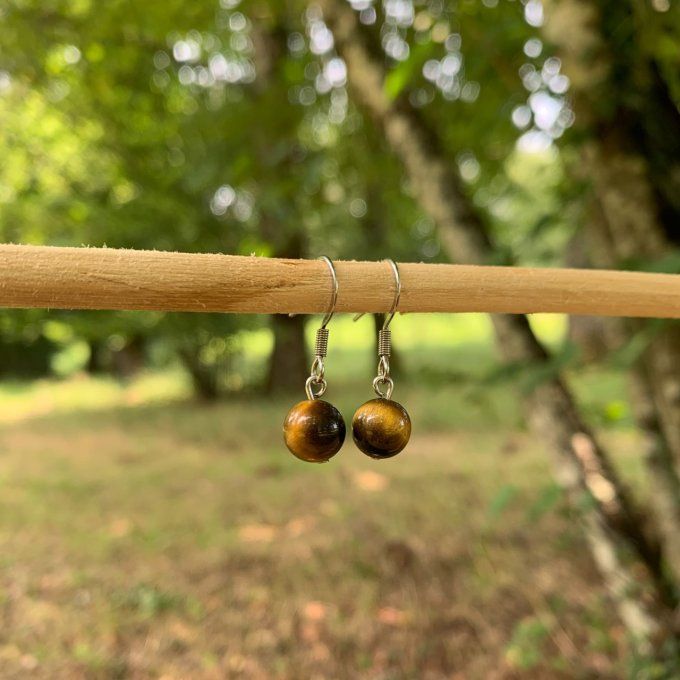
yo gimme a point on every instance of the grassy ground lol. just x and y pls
(145, 536)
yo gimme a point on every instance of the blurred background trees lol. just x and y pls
(493, 131)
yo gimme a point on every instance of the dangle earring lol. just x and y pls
(314, 430)
(381, 427)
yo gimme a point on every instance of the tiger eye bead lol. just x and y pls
(314, 430)
(381, 428)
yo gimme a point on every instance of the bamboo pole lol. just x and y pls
(102, 278)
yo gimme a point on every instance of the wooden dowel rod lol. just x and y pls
(102, 278)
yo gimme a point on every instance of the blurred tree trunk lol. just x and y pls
(96, 364)
(204, 378)
(375, 232)
(121, 363)
(593, 335)
(612, 524)
(630, 132)
(127, 361)
(288, 368)
(288, 364)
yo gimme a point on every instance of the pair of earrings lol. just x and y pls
(314, 430)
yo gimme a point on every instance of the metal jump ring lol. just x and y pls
(309, 387)
(383, 380)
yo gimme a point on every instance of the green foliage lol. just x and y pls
(505, 496)
(665, 665)
(525, 650)
(550, 496)
(193, 129)
(149, 601)
(404, 73)
(230, 127)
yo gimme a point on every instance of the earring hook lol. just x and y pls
(315, 386)
(334, 293)
(397, 295)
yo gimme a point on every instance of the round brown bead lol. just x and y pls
(381, 428)
(314, 430)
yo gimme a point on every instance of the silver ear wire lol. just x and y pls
(334, 293)
(316, 378)
(397, 295)
(383, 383)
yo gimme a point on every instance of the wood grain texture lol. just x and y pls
(102, 278)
